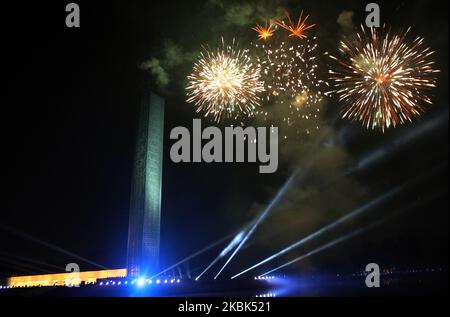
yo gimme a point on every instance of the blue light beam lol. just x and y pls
(261, 217)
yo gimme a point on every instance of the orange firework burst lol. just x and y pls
(264, 33)
(298, 30)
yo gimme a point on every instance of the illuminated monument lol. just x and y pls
(145, 204)
(145, 207)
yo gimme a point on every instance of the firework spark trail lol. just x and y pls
(383, 79)
(225, 83)
(289, 70)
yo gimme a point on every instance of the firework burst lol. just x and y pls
(383, 79)
(289, 70)
(225, 83)
(264, 33)
(296, 30)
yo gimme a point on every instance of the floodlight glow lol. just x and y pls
(141, 282)
(355, 213)
(322, 248)
(407, 137)
(212, 245)
(236, 240)
(49, 245)
(260, 219)
(339, 240)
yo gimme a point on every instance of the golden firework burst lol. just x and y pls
(383, 79)
(225, 83)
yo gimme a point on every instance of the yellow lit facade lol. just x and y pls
(64, 279)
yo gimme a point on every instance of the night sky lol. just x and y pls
(69, 125)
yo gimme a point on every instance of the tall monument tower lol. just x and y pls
(145, 204)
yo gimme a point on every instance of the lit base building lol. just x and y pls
(64, 279)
